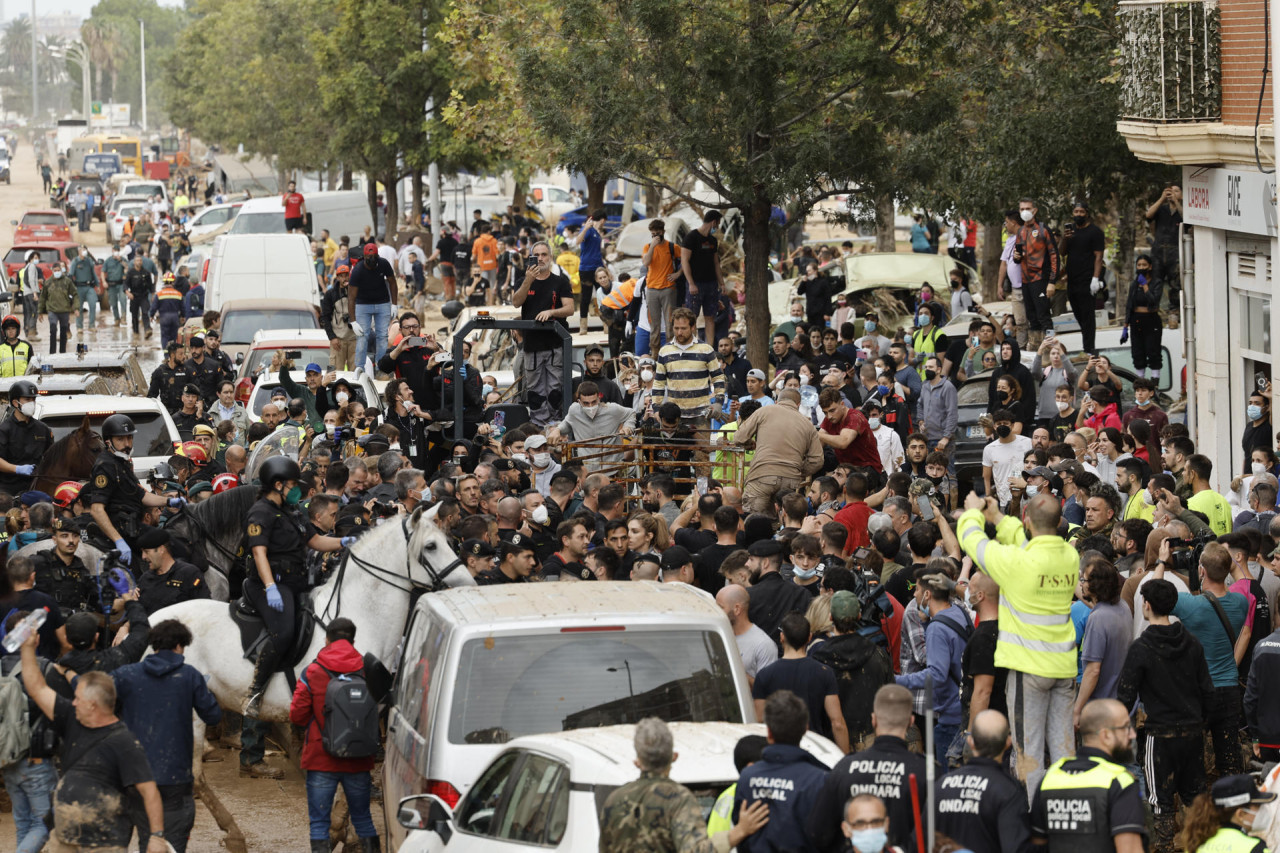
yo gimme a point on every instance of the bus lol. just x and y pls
(129, 149)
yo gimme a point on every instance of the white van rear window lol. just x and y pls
(508, 686)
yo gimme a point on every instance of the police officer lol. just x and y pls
(883, 770)
(166, 305)
(980, 805)
(15, 353)
(206, 373)
(164, 480)
(1089, 803)
(518, 562)
(23, 439)
(478, 554)
(116, 500)
(277, 534)
(167, 580)
(64, 576)
(168, 380)
(191, 413)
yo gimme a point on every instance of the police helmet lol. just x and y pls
(23, 389)
(278, 469)
(163, 471)
(118, 426)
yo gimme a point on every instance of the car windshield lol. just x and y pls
(19, 256)
(140, 189)
(153, 438)
(259, 357)
(533, 684)
(259, 223)
(239, 327)
(33, 219)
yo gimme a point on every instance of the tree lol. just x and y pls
(764, 101)
(120, 19)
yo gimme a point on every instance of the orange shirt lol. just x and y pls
(485, 252)
(661, 265)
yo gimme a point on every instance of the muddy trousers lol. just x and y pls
(1173, 766)
(179, 816)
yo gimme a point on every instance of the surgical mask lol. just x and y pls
(486, 389)
(646, 376)
(796, 318)
(520, 457)
(804, 380)
(539, 515)
(923, 320)
(967, 602)
(341, 397)
(1144, 403)
(869, 840)
(1003, 430)
(332, 429)
(874, 423)
(1026, 215)
(125, 454)
(1254, 412)
(1147, 498)
(292, 497)
(29, 409)
(1063, 405)
(870, 326)
(1032, 491)
(541, 460)
(803, 574)
(591, 411)
(1258, 467)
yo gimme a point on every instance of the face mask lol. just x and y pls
(870, 326)
(930, 375)
(1063, 406)
(341, 397)
(874, 423)
(539, 515)
(968, 602)
(955, 284)
(486, 389)
(1148, 499)
(869, 840)
(925, 297)
(591, 411)
(804, 380)
(520, 457)
(1006, 396)
(796, 318)
(1258, 467)
(1080, 220)
(28, 409)
(1032, 491)
(646, 376)
(804, 575)
(541, 460)
(1144, 403)
(1026, 215)
(883, 390)
(1254, 412)
(292, 497)
(1003, 430)
(922, 320)
(811, 276)
(126, 455)
(1008, 333)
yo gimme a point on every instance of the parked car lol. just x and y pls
(551, 200)
(48, 225)
(90, 184)
(121, 210)
(482, 667)
(545, 791)
(120, 370)
(340, 211)
(143, 189)
(361, 383)
(4, 168)
(242, 318)
(311, 345)
(49, 252)
(62, 384)
(613, 212)
(211, 217)
(157, 437)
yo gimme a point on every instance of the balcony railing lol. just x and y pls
(1170, 70)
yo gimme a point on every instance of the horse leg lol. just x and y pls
(197, 752)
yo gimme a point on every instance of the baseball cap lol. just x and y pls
(191, 389)
(765, 548)
(313, 368)
(342, 268)
(68, 524)
(756, 373)
(675, 557)
(533, 442)
(197, 341)
(199, 487)
(1070, 467)
(1041, 471)
(1232, 792)
(81, 628)
(278, 392)
(516, 544)
(370, 250)
(34, 497)
(845, 605)
(153, 537)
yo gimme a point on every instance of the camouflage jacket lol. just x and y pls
(653, 815)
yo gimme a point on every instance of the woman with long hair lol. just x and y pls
(1147, 445)
(1218, 822)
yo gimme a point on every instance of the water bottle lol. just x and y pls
(24, 629)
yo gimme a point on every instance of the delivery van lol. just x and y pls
(343, 212)
(260, 266)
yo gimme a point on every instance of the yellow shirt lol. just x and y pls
(1214, 507)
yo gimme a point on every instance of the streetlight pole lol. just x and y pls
(35, 78)
(142, 42)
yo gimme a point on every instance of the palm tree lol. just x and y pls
(51, 59)
(17, 45)
(104, 40)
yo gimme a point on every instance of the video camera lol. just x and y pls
(1184, 557)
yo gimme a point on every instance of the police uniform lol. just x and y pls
(653, 815)
(556, 567)
(1084, 801)
(22, 443)
(884, 769)
(207, 374)
(512, 544)
(167, 384)
(183, 582)
(72, 585)
(983, 808)
(773, 596)
(187, 423)
(788, 779)
(113, 483)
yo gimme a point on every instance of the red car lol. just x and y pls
(48, 226)
(50, 251)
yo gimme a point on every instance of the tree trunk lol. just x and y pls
(653, 200)
(520, 195)
(989, 262)
(371, 192)
(886, 238)
(755, 279)
(595, 192)
(392, 223)
(346, 179)
(417, 198)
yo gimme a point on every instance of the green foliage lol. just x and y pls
(122, 78)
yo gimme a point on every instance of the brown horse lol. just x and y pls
(70, 458)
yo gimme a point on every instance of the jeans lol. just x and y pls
(30, 786)
(943, 735)
(1040, 709)
(85, 293)
(643, 339)
(115, 298)
(59, 328)
(374, 319)
(323, 785)
(29, 313)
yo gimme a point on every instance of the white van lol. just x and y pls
(481, 666)
(260, 266)
(343, 212)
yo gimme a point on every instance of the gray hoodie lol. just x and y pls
(604, 428)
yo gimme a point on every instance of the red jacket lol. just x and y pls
(308, 708)
(1105, 417)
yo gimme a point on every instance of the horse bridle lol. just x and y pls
(232, 556)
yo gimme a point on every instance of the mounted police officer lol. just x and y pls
(64, 576)
(278, 536)
(23, 439)
(116, 500)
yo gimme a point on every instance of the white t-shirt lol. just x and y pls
(1139, 623)
(388, 254)
(890, 446)
(1005, 461)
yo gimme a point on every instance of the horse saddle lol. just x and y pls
(253, 633)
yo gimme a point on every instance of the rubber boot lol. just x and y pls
(320, 845)
(370, 845)
(261, 676)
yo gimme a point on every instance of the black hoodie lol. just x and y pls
(862, 667)
(1025, 409)
(1166, 670)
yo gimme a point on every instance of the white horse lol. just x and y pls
(372, 589)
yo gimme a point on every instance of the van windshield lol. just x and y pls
(271, 222)
(510, 686)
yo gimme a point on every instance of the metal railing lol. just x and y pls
(1170, 63)
(629, 462)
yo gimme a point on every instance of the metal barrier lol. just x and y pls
(628, 462)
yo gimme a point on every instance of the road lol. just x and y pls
(271, 814)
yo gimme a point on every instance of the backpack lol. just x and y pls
(350, 727)
(15, 718)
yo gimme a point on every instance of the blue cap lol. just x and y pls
(33, 497)
(313, 368)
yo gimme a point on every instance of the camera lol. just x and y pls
(1184, 557)
(383, 509)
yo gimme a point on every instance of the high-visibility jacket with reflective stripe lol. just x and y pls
(14, 358)
(1229, 839)
(1037, 581)
(1077, 805)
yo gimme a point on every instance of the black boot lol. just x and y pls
(262, 670)
(370, 845)
(321, 846)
